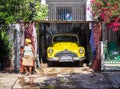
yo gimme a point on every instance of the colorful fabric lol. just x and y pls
(29, 31)
(92, 40)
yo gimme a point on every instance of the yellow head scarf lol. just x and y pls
(27, 40)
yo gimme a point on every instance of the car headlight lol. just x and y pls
(81, 51)
(50, 50)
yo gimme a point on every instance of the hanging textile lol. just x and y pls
(97, 37)
(35, 38)
(29, 32)
(92, 40)
(22, 36)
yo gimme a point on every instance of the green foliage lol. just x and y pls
(5, 46)
(12, 11)
(9, 11)
(33, 10)
(40, 11)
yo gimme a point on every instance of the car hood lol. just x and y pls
(65, 45)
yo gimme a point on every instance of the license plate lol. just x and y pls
(66, 59)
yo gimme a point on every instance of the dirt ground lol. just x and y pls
(64, 78)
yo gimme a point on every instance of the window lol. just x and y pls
(65, 39)
(64, 13)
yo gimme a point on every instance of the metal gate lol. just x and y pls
(111, 50)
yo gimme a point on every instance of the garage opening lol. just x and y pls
(65, 16)
(50, 28)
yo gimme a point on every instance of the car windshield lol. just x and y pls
(65, 39)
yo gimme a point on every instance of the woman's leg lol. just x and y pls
(26, 70)
(30, 69)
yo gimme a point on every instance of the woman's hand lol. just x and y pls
(34, 58)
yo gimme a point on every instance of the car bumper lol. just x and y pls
(57, 59)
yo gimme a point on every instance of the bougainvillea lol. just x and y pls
(107, 11)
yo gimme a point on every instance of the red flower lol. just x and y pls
(106, 10)
(109, 26)
(98, 4)
(115, 29)
(92, 1)
(115, 25)
(108, 4)
(88, 8)
(116, 19)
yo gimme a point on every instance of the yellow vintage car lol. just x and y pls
(65, 48)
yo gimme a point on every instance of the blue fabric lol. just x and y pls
(92, 40)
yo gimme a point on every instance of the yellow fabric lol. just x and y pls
(27, 40)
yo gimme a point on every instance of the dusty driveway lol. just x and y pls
(65, 78)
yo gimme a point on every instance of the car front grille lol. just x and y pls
(65, 53)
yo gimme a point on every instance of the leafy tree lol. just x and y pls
(12, 11)
(9, 11)
(33, 10)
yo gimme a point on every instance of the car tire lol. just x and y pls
(50, 63)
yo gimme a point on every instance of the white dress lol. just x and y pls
(28, 56)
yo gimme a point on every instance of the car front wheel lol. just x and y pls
(81, 64)
(50, 63)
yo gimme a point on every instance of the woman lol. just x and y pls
(29, 57)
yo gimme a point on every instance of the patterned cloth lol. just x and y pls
(27, 60)
(28, 56)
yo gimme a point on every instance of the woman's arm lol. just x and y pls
(21, 52)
